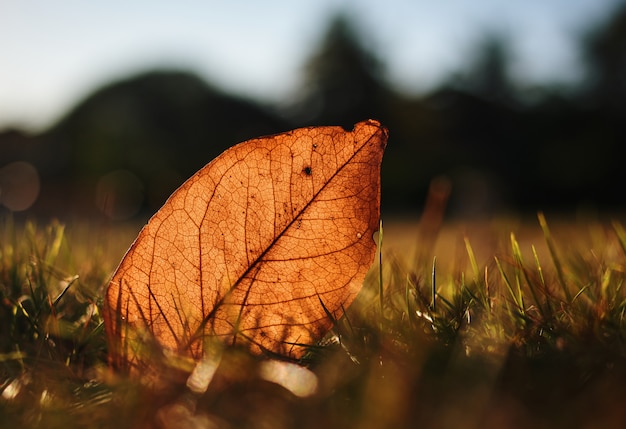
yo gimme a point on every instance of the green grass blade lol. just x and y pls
(434, 285)
(519, 269)
(555, 258)
(57, 232)
(507, 282)
(472, 258)
(542, 280)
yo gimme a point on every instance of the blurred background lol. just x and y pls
(106, 108)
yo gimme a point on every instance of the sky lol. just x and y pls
(54, 53)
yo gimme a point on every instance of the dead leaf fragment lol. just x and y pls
(248, 248)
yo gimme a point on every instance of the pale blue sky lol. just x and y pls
(53, 53)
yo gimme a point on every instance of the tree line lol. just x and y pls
(123, 149)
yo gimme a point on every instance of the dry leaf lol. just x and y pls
(249, 248)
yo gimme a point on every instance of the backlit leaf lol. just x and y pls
(249, 248)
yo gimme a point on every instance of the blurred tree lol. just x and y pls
(604, 49)
(343, 80)
(344, 83)
(601, 128)
(483, 130)
(489, 72)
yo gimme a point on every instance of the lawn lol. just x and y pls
(510, 323)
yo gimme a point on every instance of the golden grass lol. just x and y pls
(526, 330)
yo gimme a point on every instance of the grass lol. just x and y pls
(487, 328)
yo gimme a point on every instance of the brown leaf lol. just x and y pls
(249, 247)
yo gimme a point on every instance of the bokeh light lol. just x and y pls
(119, 194)
(19, 185)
